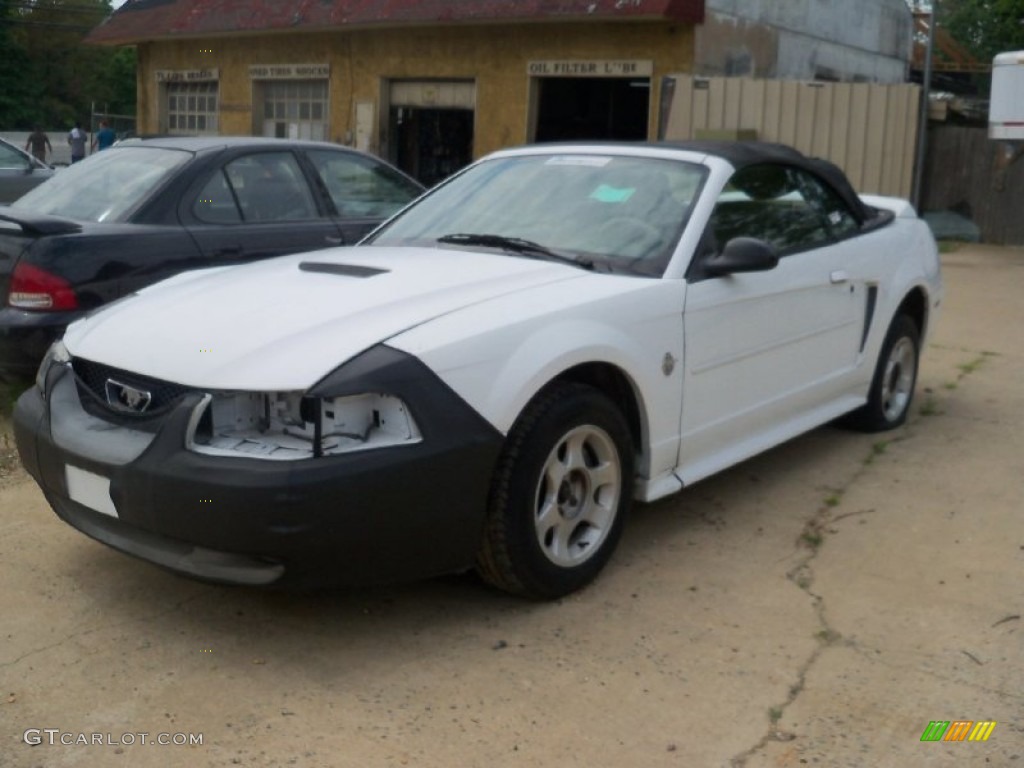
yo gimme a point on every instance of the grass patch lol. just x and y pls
(828, 636)
(929, 407)
(775, 714)
(971, 367)
(10, 391)
(812, 539)
(948, 246)
(877, 449)
(833, 500)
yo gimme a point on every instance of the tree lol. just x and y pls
(16, 97)
(48, 76)
(984, 27)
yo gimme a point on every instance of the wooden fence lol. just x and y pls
(976, 177)
(868, 130)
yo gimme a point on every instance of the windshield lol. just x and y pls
(624, 213)
(106, 186)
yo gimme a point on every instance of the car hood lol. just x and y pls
(282, 324)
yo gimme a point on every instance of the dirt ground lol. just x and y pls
(818, 605)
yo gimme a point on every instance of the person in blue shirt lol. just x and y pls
(104, 137)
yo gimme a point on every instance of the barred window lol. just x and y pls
(295, 109)
(192, 108)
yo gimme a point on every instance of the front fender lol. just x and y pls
(498, 355)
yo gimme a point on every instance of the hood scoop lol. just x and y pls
(345, 270)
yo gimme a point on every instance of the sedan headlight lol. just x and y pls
(57, 354)
(290, 425)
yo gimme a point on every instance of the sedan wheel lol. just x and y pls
(559, 495)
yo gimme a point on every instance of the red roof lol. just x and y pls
(141, 20)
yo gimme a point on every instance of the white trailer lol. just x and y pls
(1006, 110)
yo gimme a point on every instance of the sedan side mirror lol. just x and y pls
(742, 254)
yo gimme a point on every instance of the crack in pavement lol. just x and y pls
(811, 538)
(84, 632)
(872, 655)
(802, 576)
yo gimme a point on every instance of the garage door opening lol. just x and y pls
(430, 127)
(575, 108)
(432, 144)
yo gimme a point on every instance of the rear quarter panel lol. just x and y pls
(105, 262)
(898, 259)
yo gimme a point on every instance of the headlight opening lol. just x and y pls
(290, 425)
(57, 354)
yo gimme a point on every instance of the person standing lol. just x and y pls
(76, 139)
(104, 137)
(39, 142)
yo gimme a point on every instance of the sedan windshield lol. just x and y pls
(618, 213)
(106, 187)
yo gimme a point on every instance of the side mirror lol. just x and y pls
(742, 254)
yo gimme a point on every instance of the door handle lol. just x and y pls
(334, 240)
(839, 276)
(233, 252)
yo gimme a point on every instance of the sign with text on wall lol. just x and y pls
(187, 75)
(289, 71)
(591, 68)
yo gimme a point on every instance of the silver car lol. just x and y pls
(19, 172)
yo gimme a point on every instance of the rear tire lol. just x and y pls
(562, 488)
(892, 388)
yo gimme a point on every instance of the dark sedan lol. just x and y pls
(19, 172)
(148, 209)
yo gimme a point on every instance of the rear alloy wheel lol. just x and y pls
(559, 496)
(892, 388)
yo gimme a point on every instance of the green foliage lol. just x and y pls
(984, 27)
(48, 76)
(10, 390)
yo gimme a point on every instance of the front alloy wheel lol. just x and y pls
(559, 495)
(578, 496)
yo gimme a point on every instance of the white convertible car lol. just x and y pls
(493, 376)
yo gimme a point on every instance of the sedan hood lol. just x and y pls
(282, 324)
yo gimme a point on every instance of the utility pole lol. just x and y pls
(922, 123)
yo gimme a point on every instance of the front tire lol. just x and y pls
(892, 388)
(561, 490)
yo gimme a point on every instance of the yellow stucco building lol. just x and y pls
(433, 84)
(427, 85)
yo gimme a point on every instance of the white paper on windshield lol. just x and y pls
(588, 160)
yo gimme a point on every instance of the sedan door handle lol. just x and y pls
(233, 252)
(839, 276)
(334, 240)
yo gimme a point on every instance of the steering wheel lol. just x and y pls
(627, 237)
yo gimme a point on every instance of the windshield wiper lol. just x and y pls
(515, 244)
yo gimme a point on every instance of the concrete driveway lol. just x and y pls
(819, 605)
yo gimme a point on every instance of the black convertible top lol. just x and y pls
(741, 154)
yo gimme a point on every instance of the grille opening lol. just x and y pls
(91, 379)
